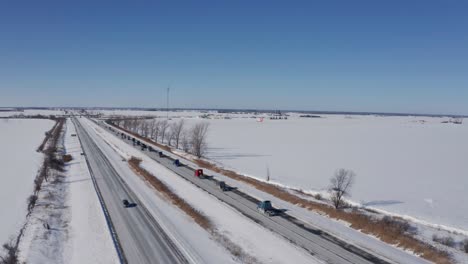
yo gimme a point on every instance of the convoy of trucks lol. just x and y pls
(264, 207)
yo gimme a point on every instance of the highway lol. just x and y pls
(138, 237)
(318, 243)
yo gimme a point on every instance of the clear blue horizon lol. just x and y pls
(399, 56)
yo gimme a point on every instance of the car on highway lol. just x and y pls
(177, 163)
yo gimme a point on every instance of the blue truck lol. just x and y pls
(266, 208)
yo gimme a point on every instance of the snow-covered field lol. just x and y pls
(403, 165)
(19, 162)
(409, 166)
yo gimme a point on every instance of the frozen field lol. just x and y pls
(403, 165)
(19, 161)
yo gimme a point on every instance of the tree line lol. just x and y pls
(174, 134)
(193, 140)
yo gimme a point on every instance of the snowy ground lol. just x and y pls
(19, 163)
(67, 202)
(403, 165)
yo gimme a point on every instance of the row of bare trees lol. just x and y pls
(175, 134)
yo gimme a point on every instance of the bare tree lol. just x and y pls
(152, 128)
(170, 135)
(177, 129)
(185, 141)
(156, 130)
(144, 128)
(340, 185)
(163, 125)
(11, 253)
(134, 125)
(198, 139)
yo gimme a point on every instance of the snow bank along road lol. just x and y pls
(140, 238)
(318, 243)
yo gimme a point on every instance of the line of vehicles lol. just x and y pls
(265, 207)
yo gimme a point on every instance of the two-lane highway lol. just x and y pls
(139, 237)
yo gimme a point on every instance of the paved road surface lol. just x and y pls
(140, 237)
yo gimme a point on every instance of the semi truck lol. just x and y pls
(266, 208)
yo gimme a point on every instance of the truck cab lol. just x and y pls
(223, 186)
(199, 173)
(266, 208)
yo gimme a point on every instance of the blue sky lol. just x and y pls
(388, 56)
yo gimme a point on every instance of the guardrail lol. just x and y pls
(110, 225)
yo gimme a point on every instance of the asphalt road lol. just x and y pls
(318, 243)
(139, 236)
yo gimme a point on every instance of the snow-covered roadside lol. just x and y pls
(68, 204)
(255, 240)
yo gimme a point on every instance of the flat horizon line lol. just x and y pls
(239, 110)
